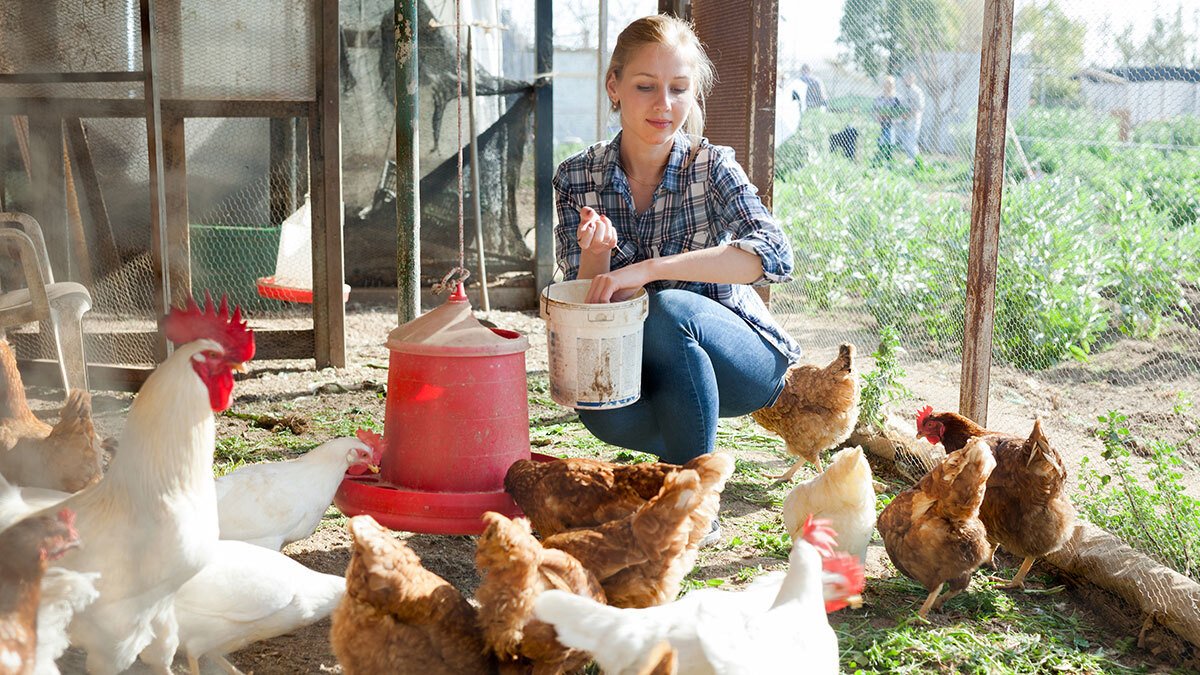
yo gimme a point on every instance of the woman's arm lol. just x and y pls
(718, 264)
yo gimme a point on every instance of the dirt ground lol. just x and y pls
(1146, 380)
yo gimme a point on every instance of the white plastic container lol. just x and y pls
(595, 349)
(293, 278)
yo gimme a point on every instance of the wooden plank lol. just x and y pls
(46, 373)
(760, 159)
(159, 240)
(48, 190)
(325, 167)
(73, 77)
(85, 172)
(543, 145)
(179, 247)
(408, 170)
(282, 167)
(79, 243)
(114, 347)
(127, 108)
(985, 209)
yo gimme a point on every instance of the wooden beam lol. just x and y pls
(79, 243)
(282, 168)
(135, 108)
(48, 190)
(179, 247)
(116, 347)
(543, 144)
(73, 77)
(85, 172)
(985, 209)
(408, 170)
(159, 239)
(325, 171)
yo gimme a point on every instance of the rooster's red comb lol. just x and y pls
(213, 323)
(923, 414)
(817, 531)
(67, 517)
(847, 567)
(373, 441)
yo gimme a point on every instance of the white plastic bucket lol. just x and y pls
(595, 349)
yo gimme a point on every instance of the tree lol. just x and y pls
(1166, 44)
(884, 36)
(1054, 42)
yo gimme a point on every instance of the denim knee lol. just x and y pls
(667, 319)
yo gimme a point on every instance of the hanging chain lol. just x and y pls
(460, 273)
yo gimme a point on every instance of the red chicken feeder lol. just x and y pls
(457, 417)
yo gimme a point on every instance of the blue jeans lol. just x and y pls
(907, 135)
(700, 362)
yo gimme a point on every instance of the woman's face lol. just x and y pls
(655, 94)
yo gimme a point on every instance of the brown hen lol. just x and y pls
(816, 410)
(1026, 509)
(515, 570)
(641, 559)
(398, 617)
(65, 457)
(28, 546)
(932, 530)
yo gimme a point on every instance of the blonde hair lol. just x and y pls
(662, 29)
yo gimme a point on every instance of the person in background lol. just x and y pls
(908, 132)
(666, 210)
(790, 96)
(885, 110)
(815, 98)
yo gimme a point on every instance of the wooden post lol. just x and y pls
(985, 209)
(179, 247)
(282, 163)
(48, 189)
(85, 170)
(602, 103)
(408, 170)
(325, 172)
(159, 239)
(543, 144)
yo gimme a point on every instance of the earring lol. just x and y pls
(615, 104)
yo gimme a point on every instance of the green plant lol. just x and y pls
(882, 385)
(1157, 517)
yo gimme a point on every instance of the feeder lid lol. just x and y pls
(453, 330)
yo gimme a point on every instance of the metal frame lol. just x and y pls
(168, 171)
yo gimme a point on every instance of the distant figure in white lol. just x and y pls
(790, 96)
(908, 129)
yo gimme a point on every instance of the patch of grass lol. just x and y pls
(345, 422)
(333, 519)
(1002, 633)
(633, 457)
(772, 539)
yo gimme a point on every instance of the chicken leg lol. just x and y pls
(929, 601)
(1019, 580)
(787, 475)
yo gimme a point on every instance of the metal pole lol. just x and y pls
(408, 174)
(476, 196)
(601, 68)
(985, 209)
(154, 137)
(543, 143)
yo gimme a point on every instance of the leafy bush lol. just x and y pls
(883, 384)
(1158, 518)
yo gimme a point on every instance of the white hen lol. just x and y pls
(765, 629)
(843, 494)
(275, 503)
(18, 502)
(150, 523)
(247, 593)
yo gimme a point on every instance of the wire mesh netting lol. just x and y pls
(1095, 327)
(245, 176)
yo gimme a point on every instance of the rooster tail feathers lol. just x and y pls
(845, 357)
(581, 623)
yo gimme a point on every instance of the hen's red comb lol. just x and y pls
(373, 441)
(193, 323)
(922, 415)
(67, 516)
(817, 531)
(851, 583)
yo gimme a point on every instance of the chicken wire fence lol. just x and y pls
(1098, 284)
(244, 175)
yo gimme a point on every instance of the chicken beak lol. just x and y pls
(372, 468)
(239, 367)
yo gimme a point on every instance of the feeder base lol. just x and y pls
(408, 510)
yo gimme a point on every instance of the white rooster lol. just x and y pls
(769, 628)
(275, 503)
(843, 494)
(247, 593)
(151, 523)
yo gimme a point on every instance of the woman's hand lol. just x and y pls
(596, 234)
(620, 284)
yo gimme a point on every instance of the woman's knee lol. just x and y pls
(669, 316)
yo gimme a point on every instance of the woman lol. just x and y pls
(665, 210)
(886, 109)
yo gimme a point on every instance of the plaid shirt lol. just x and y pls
(709, 203)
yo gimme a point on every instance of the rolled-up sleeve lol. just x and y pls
(742, 212)
(566, 231)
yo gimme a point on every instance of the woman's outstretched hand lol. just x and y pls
(596, 233)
